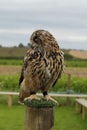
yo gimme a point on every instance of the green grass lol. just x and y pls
(11, 118)
(11, 61)
(19, 61)
(65, 118)
(76, 63)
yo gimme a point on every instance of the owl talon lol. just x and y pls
(21, 103)
(32, 97)
(47, 97)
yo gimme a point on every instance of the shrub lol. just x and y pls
(78, 85)
(9, 83)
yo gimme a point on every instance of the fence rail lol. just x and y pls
(51, 94)
(11, 94)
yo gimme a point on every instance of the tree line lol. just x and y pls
(21, 45)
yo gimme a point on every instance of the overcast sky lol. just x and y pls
(65, 19)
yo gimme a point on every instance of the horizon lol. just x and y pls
(26, 46)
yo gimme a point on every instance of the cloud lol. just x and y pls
(66, 19)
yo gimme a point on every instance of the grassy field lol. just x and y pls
(12, 52)
(76, 63)
(11, 118)
(16, 69)
(68, 63)
(78, 54)
(14, 56)
(65, 118)
(11, 60)
(20, 52)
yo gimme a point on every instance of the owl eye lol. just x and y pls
(35, 39)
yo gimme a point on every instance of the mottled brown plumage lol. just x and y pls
(43, 65)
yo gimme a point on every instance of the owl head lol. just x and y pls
(43, 38)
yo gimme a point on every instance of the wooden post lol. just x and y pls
(83, 112)
(39, 114)
(77, 105)
(68, 88)
(9, 100)
(39, 118)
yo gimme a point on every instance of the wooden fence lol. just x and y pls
(11, 94)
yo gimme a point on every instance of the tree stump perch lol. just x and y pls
(39, 118)
(39, 115)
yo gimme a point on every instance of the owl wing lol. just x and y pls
(25, 63)
(21, 76)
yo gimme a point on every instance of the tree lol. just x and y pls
(28, 44)
(20, 45)
(0, 46)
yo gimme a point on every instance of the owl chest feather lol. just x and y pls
(44, 67)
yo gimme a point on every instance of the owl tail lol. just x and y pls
(22, 95)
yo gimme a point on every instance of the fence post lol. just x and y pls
(68, 88)
(9, 100)
(39, 118)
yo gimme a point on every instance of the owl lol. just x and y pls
(42, 67)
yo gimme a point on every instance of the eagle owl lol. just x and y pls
(42, 67)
